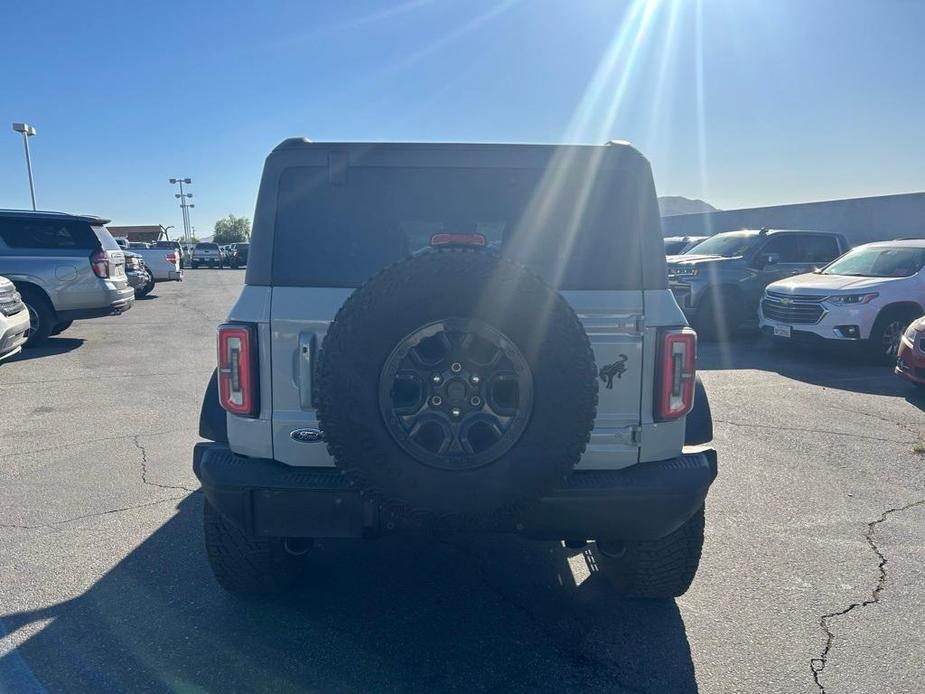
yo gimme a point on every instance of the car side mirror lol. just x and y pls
(765, 259)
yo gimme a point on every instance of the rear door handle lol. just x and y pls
(308, 356)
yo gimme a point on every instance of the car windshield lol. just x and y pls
(728, 245)
(878, 261)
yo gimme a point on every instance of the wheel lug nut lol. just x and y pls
(455, 412)
(436, 401)
(456, 367)
(476, 401)
(476, 380)
(436, 379)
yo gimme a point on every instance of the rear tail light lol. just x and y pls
(171, 258)
(237, 369)
(99, 261)
(677, 365)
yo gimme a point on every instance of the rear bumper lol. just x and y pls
(171, 276)
(646, 501)
(120, 301)
(910, 362)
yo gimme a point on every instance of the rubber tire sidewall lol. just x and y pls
(61, 326)
(874, 347)
(46, 314)
(659, 569)
(243, 563)
(388, 308)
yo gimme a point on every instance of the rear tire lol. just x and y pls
(242, 563)
(41, 316)
(661, 569)
(61, 326)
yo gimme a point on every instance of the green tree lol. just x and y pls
(232, 229)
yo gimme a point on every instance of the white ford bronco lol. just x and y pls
(456, 337)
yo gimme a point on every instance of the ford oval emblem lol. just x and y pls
(306, 435)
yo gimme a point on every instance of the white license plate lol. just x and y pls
(781, 331)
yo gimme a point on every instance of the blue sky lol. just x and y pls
(739, 102)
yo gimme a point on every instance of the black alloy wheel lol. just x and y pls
(456, 394)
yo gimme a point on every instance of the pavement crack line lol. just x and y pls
(144, 469)
(817, 665)
(809, 430)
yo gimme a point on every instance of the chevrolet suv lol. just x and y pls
(719, 282)
(456, 337)
(66, 267)
(868, 296)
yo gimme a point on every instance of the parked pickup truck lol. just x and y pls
(208, 254)
(163, 263)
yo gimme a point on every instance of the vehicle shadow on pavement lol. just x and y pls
(54, 345)
(837, 366)
(403, 613)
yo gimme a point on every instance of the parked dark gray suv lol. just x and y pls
(720, 281)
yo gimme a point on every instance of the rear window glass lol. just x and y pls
(579, 232)
(207, 246)
(49, 234)
(106, 240)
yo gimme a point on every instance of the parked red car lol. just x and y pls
(910, 359)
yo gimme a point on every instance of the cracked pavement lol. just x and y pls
(812, 579)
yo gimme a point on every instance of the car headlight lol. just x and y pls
(852, 299)
(683, 271)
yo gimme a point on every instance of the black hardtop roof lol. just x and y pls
(611, 155)
(50, 214)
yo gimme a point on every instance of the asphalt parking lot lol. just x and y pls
(813, 575)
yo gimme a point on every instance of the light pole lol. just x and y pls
(27, 132)
(184, 206)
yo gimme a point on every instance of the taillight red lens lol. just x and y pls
(237, 369)
(677, 372)
(171, 258)
(99, 261)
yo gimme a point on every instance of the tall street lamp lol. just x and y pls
(27, 132)
(183, 196)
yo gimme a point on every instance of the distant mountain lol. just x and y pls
(671, 205)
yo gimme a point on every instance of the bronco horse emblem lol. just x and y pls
(616, 369)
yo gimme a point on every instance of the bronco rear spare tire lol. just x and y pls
(456, 385)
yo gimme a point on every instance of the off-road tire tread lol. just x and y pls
(659, 569)
(243, 563)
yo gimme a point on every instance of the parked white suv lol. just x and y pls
(14, 320)
(871, 294)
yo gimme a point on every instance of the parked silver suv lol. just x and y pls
(66, 267)
(456, 336)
